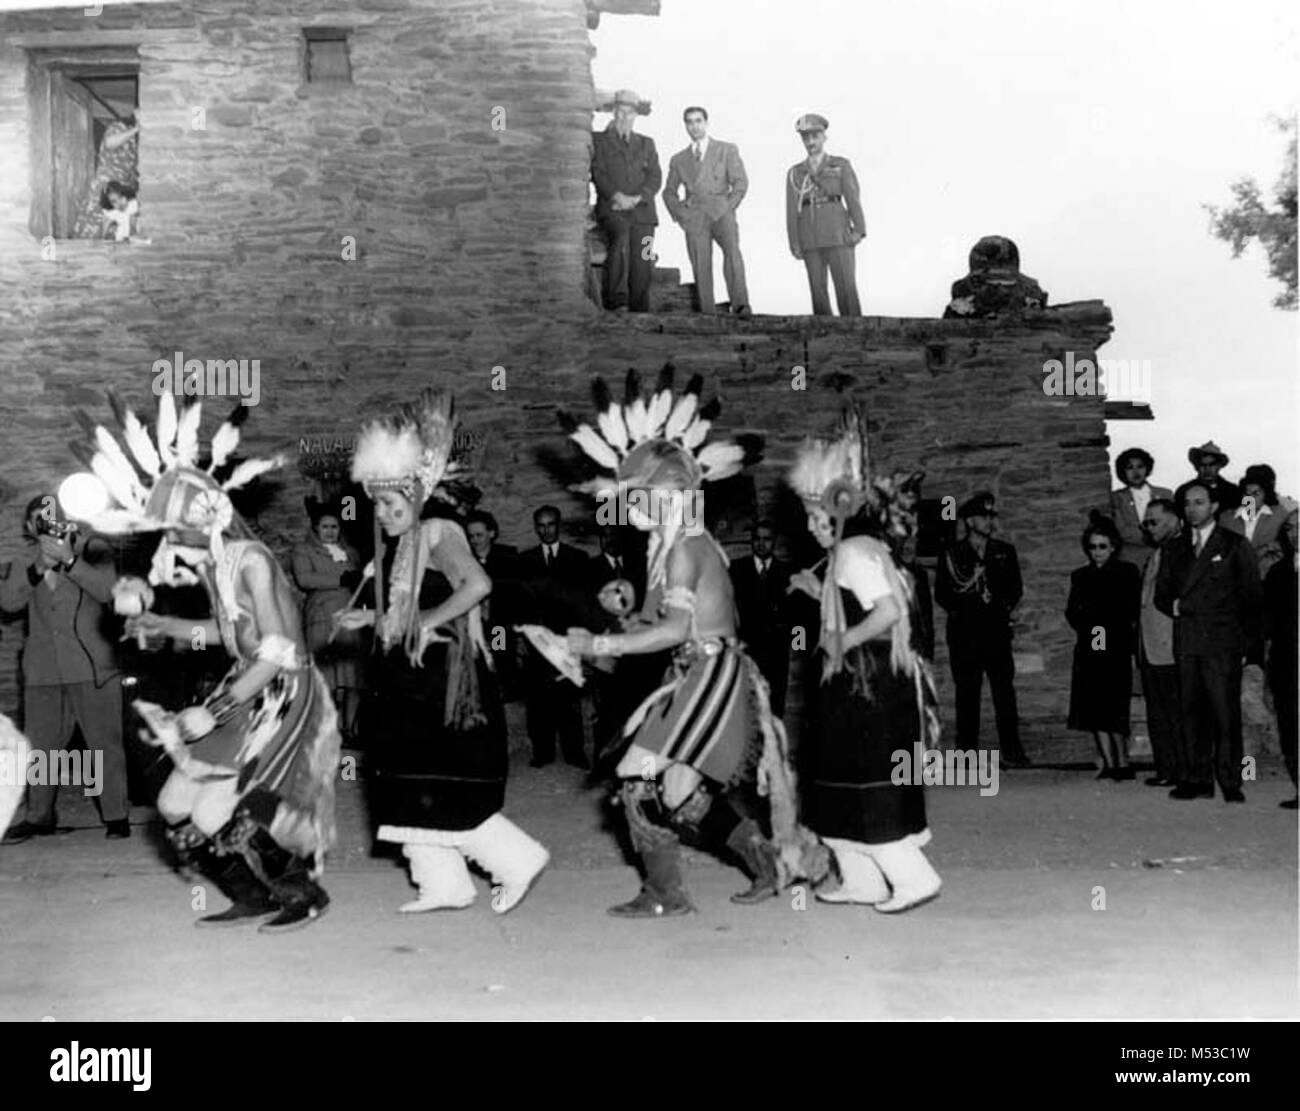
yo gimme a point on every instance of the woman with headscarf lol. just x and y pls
(437, 742)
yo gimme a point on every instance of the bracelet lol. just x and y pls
(222, 707)
(607, 645)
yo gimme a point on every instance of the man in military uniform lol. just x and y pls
(979, 585)
(823, 218)
(625, 169)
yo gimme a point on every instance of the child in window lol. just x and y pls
(120, 208)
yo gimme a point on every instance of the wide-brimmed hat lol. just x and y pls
(627, 96)
(1194, 454)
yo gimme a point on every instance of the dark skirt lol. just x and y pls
(857, 721)
(1101, 689)
(421, 771)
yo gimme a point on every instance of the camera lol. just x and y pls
(47, 526)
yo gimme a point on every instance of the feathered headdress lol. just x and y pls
(657, 441)
(835, 476)
(160, 487)
(410, 450)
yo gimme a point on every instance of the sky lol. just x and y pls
(1092, 134)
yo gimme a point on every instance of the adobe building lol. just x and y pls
(370, 196)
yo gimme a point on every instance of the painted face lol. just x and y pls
(764, 542)
(1197, 507)
(394, 513)
(1100, 549)
(1135, 472)
(696, 126)
(328, 529)
(821, 526)
(547, 527)
(480, 538)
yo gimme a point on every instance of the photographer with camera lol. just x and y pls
(70, 671)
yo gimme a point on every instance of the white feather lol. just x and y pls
(660, 408)
(223, 443)
(613, 429)
(681, 415)
(122, 465)
(116, 482)
(694, 435)
(638, 421)
(166, 428)
(721, 460)
(137, 439)
(187, 435)
(250, 469)
(590, 441)
(115, 522)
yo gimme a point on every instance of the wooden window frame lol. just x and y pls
(45, 68)
(326, 34)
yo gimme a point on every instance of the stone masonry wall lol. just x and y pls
(470, 255)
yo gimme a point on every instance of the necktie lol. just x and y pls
(546, 551)
(1197, 543)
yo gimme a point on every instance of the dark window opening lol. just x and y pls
(326, 56)
(85, 143)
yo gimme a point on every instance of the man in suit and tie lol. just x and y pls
(1128, 504)
(71, 677)
(714, 179)
(1162, 524)
(555, 578)
(625, 169)
(823, 219)
(1209, 584)
(760, 584)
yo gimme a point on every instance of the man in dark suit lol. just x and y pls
(555, 578)
(1209, 584)
(1128, 504)
(760, 582)
(71, 677)
(714, 178)
(501, 562)
(824, 220)
(625, 169)
(979, 584)
(1209, 460)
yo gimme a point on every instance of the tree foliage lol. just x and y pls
(1250, 218)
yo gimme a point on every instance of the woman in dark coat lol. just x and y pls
(1105, 597)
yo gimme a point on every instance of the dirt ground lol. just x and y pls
(1063, 898)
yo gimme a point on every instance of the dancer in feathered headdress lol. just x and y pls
(874, 694)
(437, 743)
(251, 800)
(705, 745)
